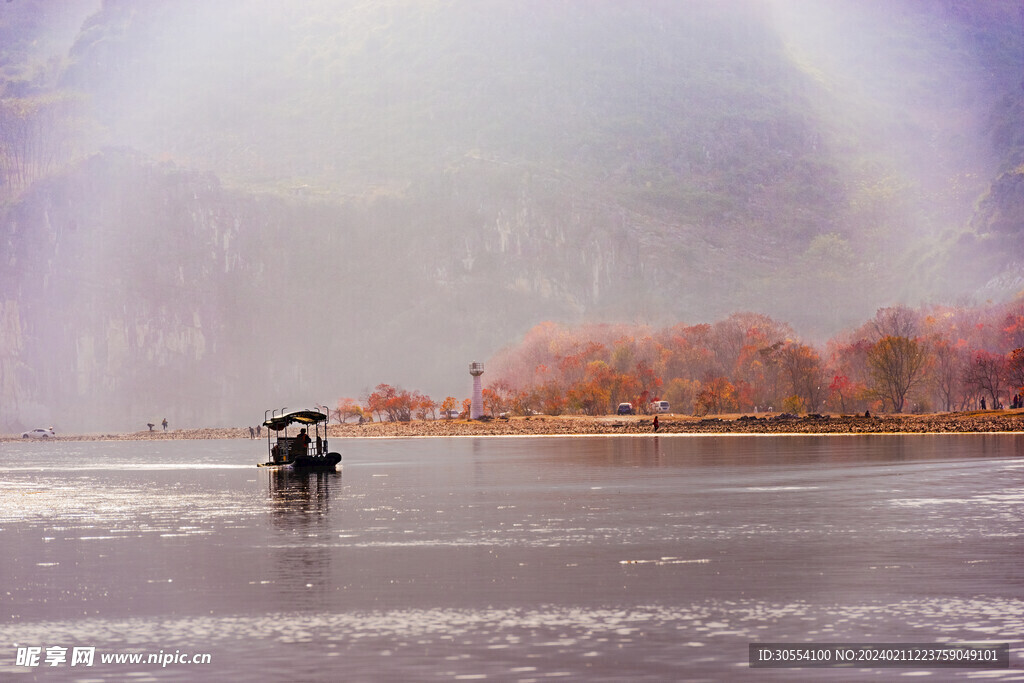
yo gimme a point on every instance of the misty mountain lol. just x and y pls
(217, 208)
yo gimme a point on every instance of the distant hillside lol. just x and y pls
(406, 188)
(761, 128)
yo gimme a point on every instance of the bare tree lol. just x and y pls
(950, 364)
(896, 365)
(987, 374)
(895, 321)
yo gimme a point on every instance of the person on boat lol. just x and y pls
(301, 443)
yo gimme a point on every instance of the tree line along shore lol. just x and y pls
(916, 361)
(992, 421)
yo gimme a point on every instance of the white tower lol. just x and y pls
(476, 408)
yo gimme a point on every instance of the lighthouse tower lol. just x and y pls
(476, 407)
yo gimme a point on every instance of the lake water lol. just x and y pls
(645, 558)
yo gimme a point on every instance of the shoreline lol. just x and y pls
(973, 422)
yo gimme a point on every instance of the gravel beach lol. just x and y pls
(574, 425)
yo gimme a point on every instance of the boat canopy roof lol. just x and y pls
(306, 417)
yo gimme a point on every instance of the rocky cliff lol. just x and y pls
(135, 290)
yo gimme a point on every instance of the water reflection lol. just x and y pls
(301, 496)
(745, 450)
(300, 551)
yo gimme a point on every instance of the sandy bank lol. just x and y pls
(985, 421)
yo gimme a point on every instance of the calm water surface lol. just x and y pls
(652, 558)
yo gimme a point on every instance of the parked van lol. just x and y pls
(659, 406)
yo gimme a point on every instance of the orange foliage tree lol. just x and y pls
(347, 409)
(717, 395)
(449, 405)
(802, 367)
(397, 404)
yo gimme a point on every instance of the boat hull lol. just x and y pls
(328, 461)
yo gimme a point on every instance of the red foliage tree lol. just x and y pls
(394, 402)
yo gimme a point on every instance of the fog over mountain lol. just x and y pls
(215, 208)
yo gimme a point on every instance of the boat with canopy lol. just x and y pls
(302, 450)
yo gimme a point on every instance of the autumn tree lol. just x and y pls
(449, 404)
(840, 387)
(896, 365)
(394, 402)
(760, 370)
(492, 402)
(498, 397)
(686, 352)
(424, 407)
(551, 398)
(741, 330)
(848, 360)
(374, 403)
(802, 367)
(1015, 370)
(348, 408)
(573, 367)
(717, 395)
(681, 394)
(641, 386)
(592, 395)
(1013, 328)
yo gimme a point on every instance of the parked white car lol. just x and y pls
(659, 406)
(38, 434)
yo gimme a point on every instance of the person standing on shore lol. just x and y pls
(655, 423)
(164, 423)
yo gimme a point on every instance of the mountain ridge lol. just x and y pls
(465, 170)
